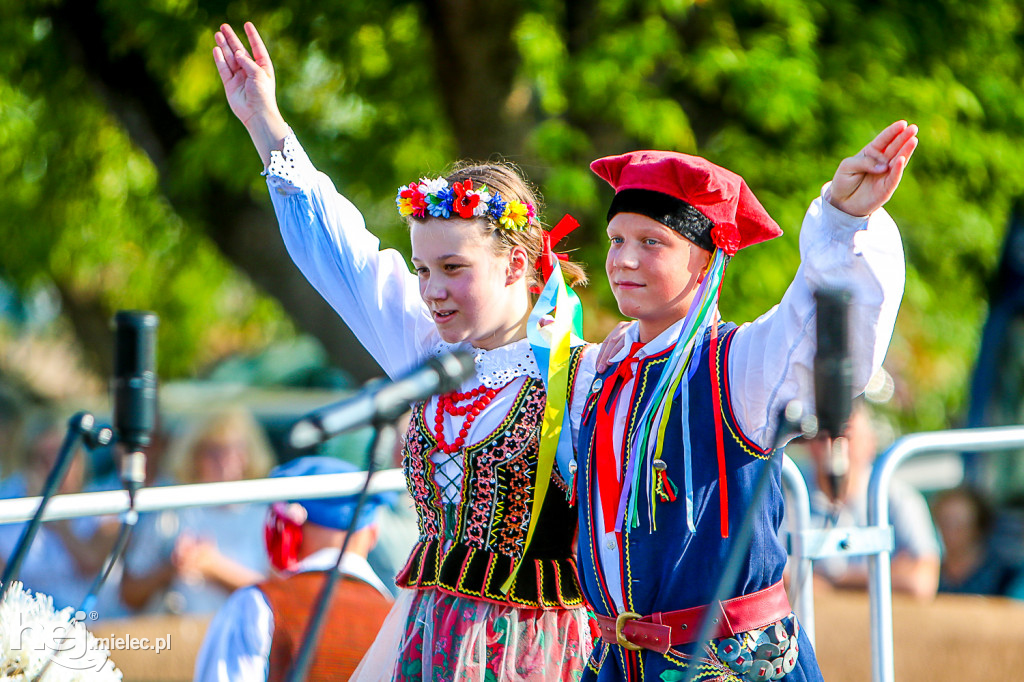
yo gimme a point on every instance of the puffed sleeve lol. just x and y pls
(581, 388)
(373, 290)
(771, 360)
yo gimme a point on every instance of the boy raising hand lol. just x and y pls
(672, 436)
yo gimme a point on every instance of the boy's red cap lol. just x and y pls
(709, 205)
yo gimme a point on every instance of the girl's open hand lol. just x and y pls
(614, 342)
(248, 80)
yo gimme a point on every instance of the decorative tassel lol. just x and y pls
(716, 407)
(665, 488)
(572, 484)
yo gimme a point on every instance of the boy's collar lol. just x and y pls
(658, 344)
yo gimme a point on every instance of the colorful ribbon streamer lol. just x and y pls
(551, 345)
(648, 441)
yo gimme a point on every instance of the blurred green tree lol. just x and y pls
(128, 184)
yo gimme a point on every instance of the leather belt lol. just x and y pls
(662, 631)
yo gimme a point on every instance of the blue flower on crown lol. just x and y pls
(496, 206)
(440, 205)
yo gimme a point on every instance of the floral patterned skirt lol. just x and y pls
(431, 636)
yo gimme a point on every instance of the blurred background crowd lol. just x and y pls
(184, 561)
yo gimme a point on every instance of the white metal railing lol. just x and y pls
(806, 544)
(159, 498)
(798, 510)
(201, 495)
(879, 563)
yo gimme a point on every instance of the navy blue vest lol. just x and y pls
(671, 568)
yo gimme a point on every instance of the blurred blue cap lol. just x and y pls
(331, 512)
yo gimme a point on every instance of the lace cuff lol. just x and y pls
(288, 169)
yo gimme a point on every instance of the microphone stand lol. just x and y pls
(789, 420)
(129, 518)
(79, 425)
(385, 436)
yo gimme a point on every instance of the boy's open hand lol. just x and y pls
(863, 183)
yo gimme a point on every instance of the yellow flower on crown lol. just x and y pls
(411, 201)
(515, 216)
(404, 206)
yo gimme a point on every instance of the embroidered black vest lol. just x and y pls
(485, 531)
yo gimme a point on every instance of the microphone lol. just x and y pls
(134, 390)
(833, 383)
(383, 400)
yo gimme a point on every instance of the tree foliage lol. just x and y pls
(128, 183)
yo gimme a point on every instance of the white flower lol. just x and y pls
(428, 186)
(34, 636)
(481, 208)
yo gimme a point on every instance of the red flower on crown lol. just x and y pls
(727, 238)
(465, 199)
(411, 201)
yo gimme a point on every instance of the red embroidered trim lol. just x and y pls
(723, 484)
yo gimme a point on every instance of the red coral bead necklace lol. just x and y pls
(480, 397)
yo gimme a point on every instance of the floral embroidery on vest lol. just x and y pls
(469, 544)
(494, 508)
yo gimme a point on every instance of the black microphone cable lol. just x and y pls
(790, 420)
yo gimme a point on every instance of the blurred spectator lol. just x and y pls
(190, 560)
(398, 533)
(65, 556)
(915, 557)
(970, 563)
(996, 398)
(258, 633)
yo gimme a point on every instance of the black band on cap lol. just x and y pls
(671, 212)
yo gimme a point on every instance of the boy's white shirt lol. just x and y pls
(771, 359)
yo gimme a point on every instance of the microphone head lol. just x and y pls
(305, 434)
(134, 384)
(833, 371)
(453, 369)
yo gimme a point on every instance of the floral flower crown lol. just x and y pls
(435, 198)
